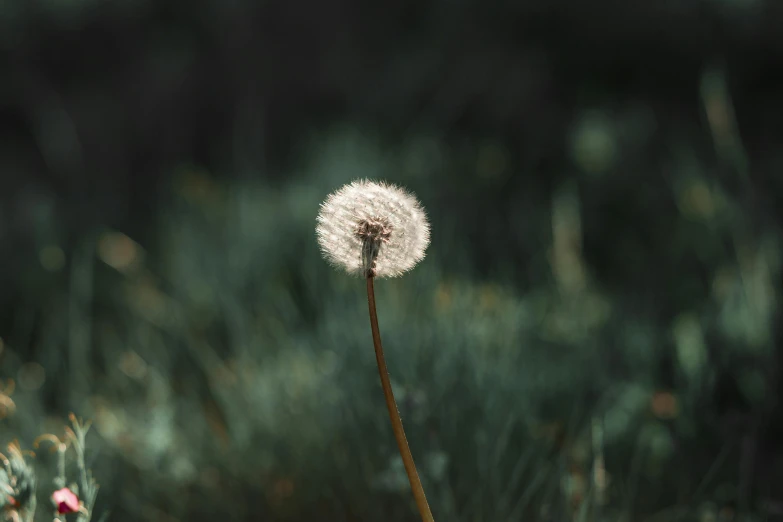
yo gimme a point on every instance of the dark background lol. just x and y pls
(603, 182)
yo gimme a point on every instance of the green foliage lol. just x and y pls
(230, 373)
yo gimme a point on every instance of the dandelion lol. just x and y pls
(369, 226)
(378, 230)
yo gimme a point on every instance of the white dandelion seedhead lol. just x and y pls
(373, 229)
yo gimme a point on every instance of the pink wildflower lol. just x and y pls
(66, 501)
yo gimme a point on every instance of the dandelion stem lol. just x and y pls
(394, 414)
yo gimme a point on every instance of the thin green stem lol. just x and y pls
(394, 414)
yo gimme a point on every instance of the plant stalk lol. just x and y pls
(394, 414)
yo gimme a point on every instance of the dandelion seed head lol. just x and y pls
(373, 228)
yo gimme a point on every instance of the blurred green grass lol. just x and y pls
(229, 370)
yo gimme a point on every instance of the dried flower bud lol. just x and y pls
(17, 478)
(373, 228)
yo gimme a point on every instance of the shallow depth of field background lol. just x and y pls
(594, 334)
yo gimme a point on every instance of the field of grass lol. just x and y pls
(228, 371)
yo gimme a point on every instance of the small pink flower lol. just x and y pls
(66, 501)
